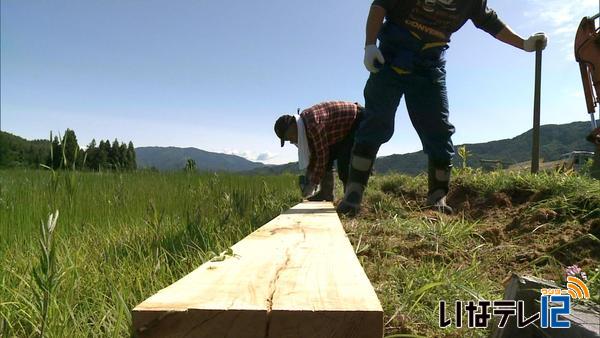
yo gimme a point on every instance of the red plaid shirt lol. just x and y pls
(326, 123)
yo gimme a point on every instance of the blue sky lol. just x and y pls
(216, 76)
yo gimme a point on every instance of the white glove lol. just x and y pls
(309, 190)
(530, 44)
(373, 53)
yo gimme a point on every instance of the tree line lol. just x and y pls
(64, 152)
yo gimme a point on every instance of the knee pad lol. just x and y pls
(364, 150)
(361, 163)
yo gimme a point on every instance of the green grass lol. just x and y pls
(415, 258)
(120, 237)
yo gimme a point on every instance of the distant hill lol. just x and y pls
(275, 169)
(16, 151)
(555, 140)
(173, 158)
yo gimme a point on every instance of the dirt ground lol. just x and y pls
(496, 233)
(537, 234)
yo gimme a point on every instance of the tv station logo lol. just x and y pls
(553, 303)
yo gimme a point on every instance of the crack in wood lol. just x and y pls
(273, 289)
(296, 277)
(273, 283)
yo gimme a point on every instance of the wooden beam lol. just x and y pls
(296, 276)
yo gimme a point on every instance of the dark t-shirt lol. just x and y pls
(436, 20)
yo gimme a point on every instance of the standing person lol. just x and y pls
(410, 61)
(323, 133)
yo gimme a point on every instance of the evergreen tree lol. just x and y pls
(81, 160)
(55, 158)
(103, 154)
(114, 157)
(91, 161)
(131, 156)
(71, 148)
(64, 153)
(123, 163)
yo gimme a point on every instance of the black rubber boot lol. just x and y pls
(361, 165)
(439, 183)
(326, 188)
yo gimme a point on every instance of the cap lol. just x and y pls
(282, 124)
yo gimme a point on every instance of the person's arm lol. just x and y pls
(372, 53)
(508, 36)
(486, 19)
(306, 186)
(319, 157)
(374, 22)
(531, 44)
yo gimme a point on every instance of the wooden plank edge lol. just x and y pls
(200, 323)
(325, 324)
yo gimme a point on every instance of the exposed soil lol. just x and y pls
(509, 218)
(513, 229)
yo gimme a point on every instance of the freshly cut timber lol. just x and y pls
(296, 276)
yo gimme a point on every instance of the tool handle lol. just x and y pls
(535, 151)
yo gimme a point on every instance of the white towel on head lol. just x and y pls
(303, 149)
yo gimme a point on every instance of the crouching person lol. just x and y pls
(323, 133)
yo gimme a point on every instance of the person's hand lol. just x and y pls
(308, 190)
(530, 45)
(372, 54)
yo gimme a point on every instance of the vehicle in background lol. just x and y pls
(576, 159)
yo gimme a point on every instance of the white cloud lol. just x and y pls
(560, 12)
(263, 157)
(251, 155)
(560, 20)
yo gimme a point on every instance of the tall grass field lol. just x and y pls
(117, 239)
(78, 250)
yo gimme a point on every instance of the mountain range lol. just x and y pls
(173, 158)
(555, 140)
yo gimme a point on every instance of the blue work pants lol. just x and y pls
(426, 98)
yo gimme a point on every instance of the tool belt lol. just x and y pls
(401, 49)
